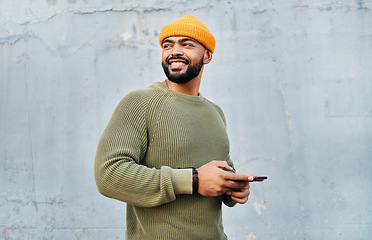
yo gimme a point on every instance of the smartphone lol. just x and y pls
(261, 178)
(255, 179)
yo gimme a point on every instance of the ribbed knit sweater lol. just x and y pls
(144, 158)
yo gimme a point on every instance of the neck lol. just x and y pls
(189, 88)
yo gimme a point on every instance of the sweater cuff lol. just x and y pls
(182, 181)
(228, 201)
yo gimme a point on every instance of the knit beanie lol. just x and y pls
(189, 26)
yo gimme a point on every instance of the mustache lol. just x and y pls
(178, 58)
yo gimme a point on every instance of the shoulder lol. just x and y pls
(217, 108)
(214, 105)
(140, 96)
(138, 100)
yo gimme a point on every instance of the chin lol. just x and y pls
(179, 80)
(184, 75)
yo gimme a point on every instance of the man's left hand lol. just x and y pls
(240, 195)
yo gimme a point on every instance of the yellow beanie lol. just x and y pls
(189, 26)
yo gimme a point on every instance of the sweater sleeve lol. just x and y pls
(118, 171)
(225, 198)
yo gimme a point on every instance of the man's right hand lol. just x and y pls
(215, 181)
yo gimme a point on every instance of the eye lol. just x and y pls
(167, 45)
(188, 44)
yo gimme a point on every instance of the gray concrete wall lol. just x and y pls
(293, 77)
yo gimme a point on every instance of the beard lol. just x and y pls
(192, 71)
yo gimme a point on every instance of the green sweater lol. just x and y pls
(144, 158)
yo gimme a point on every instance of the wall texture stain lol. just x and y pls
(294, 79)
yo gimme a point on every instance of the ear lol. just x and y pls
(207, 57)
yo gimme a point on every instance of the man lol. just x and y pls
(165, 151)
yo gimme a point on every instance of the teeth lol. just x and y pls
(177, 63)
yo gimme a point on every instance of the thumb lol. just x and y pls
(224, 165)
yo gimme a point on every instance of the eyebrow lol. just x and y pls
(182, 40)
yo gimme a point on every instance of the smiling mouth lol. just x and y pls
(177, 61)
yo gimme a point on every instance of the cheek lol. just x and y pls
(196, 55)
(164, 57)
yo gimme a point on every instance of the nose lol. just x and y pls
(176, 50)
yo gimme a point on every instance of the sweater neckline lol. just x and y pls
(198, 98)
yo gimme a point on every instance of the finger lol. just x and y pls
(240, 197)
(239, 200)
(240, 177)
(236, 186)
(223, 164)
(242, 194)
